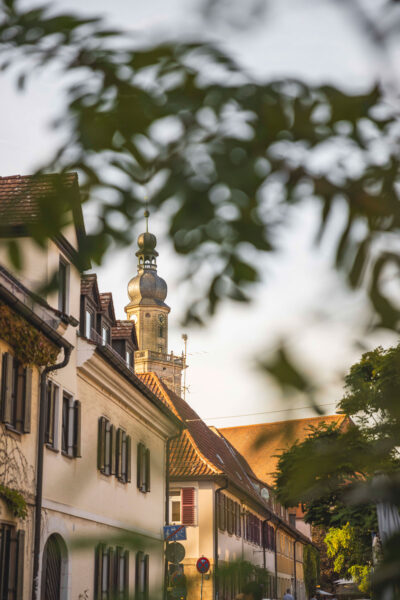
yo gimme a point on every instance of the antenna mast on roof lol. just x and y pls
(185, 339)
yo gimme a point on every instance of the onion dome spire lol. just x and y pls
(147, 287)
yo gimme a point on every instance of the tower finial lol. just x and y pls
(147, 214)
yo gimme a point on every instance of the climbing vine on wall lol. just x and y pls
(15, 501)
(29, 345)
(310, 569)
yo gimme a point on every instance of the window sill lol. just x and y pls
(12, 429)
(50, 447)
(70, 456)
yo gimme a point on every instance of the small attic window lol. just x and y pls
(219, 458)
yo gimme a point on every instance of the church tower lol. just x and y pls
(147, 308)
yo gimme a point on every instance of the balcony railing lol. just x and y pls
(163, 356)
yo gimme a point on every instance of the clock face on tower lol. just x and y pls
(161, 319)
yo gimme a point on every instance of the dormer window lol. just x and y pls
(129, 359)
(63, 285)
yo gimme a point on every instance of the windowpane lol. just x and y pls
(89, 323)
(176, 511)
(105, 335)
(129, 358)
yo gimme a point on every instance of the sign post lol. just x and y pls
(203, 566)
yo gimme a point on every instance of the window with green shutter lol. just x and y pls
(16, 394)
(71, 426)
(143, 468)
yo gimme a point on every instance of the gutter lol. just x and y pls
(216, 495)
(295, 569)
(39, 469)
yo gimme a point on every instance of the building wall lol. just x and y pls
(80, 505)
(200, 542)
(18, 468)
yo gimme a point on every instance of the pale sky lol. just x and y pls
(310, 39)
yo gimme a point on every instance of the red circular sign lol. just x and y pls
(203, 565)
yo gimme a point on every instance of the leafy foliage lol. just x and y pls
(29, 345)
(232, 153)
(15, 501)
(351, 549)
(333, 471)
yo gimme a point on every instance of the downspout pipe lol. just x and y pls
(39, 468)
(216, 495)
(295, 569)
(265, 521)
(276, 559)
(167, 481)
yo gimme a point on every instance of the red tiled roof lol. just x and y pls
(260, 444)
(89, 286)
(200, 452)
(19, 195)
(107, 304)
(123, 330)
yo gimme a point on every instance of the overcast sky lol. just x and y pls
(312, 39)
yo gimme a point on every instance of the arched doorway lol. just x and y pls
(54, 556)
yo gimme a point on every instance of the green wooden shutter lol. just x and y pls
(98, 571)
(101, 444)
(126, 575)
(112, 450)
(111, 573)
(20, 564)
(27, 400)
(140, 449)
(6, 412)
(147, 470)
(118, 467)
(139, 557)
(77, 428)
(128, 458)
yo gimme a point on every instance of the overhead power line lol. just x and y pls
(264, 412)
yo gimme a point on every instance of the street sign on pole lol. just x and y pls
(174, 533)
(203, 565)
(175, 553)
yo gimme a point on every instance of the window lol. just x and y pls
(129, 359)
(160, 331)
(105, 335)
(175, 517)
(71, 427)
(51, 434)
(11, 562)
(142, 576)
(113, 451)
(63, 285)
(111, 573)
(106, 447)
(182, 506)
(229, 515)
(143, 468)
(89, 323)
(16, 394)
(123, 466)
(292, 519)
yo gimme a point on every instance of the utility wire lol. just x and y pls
(264, 412)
